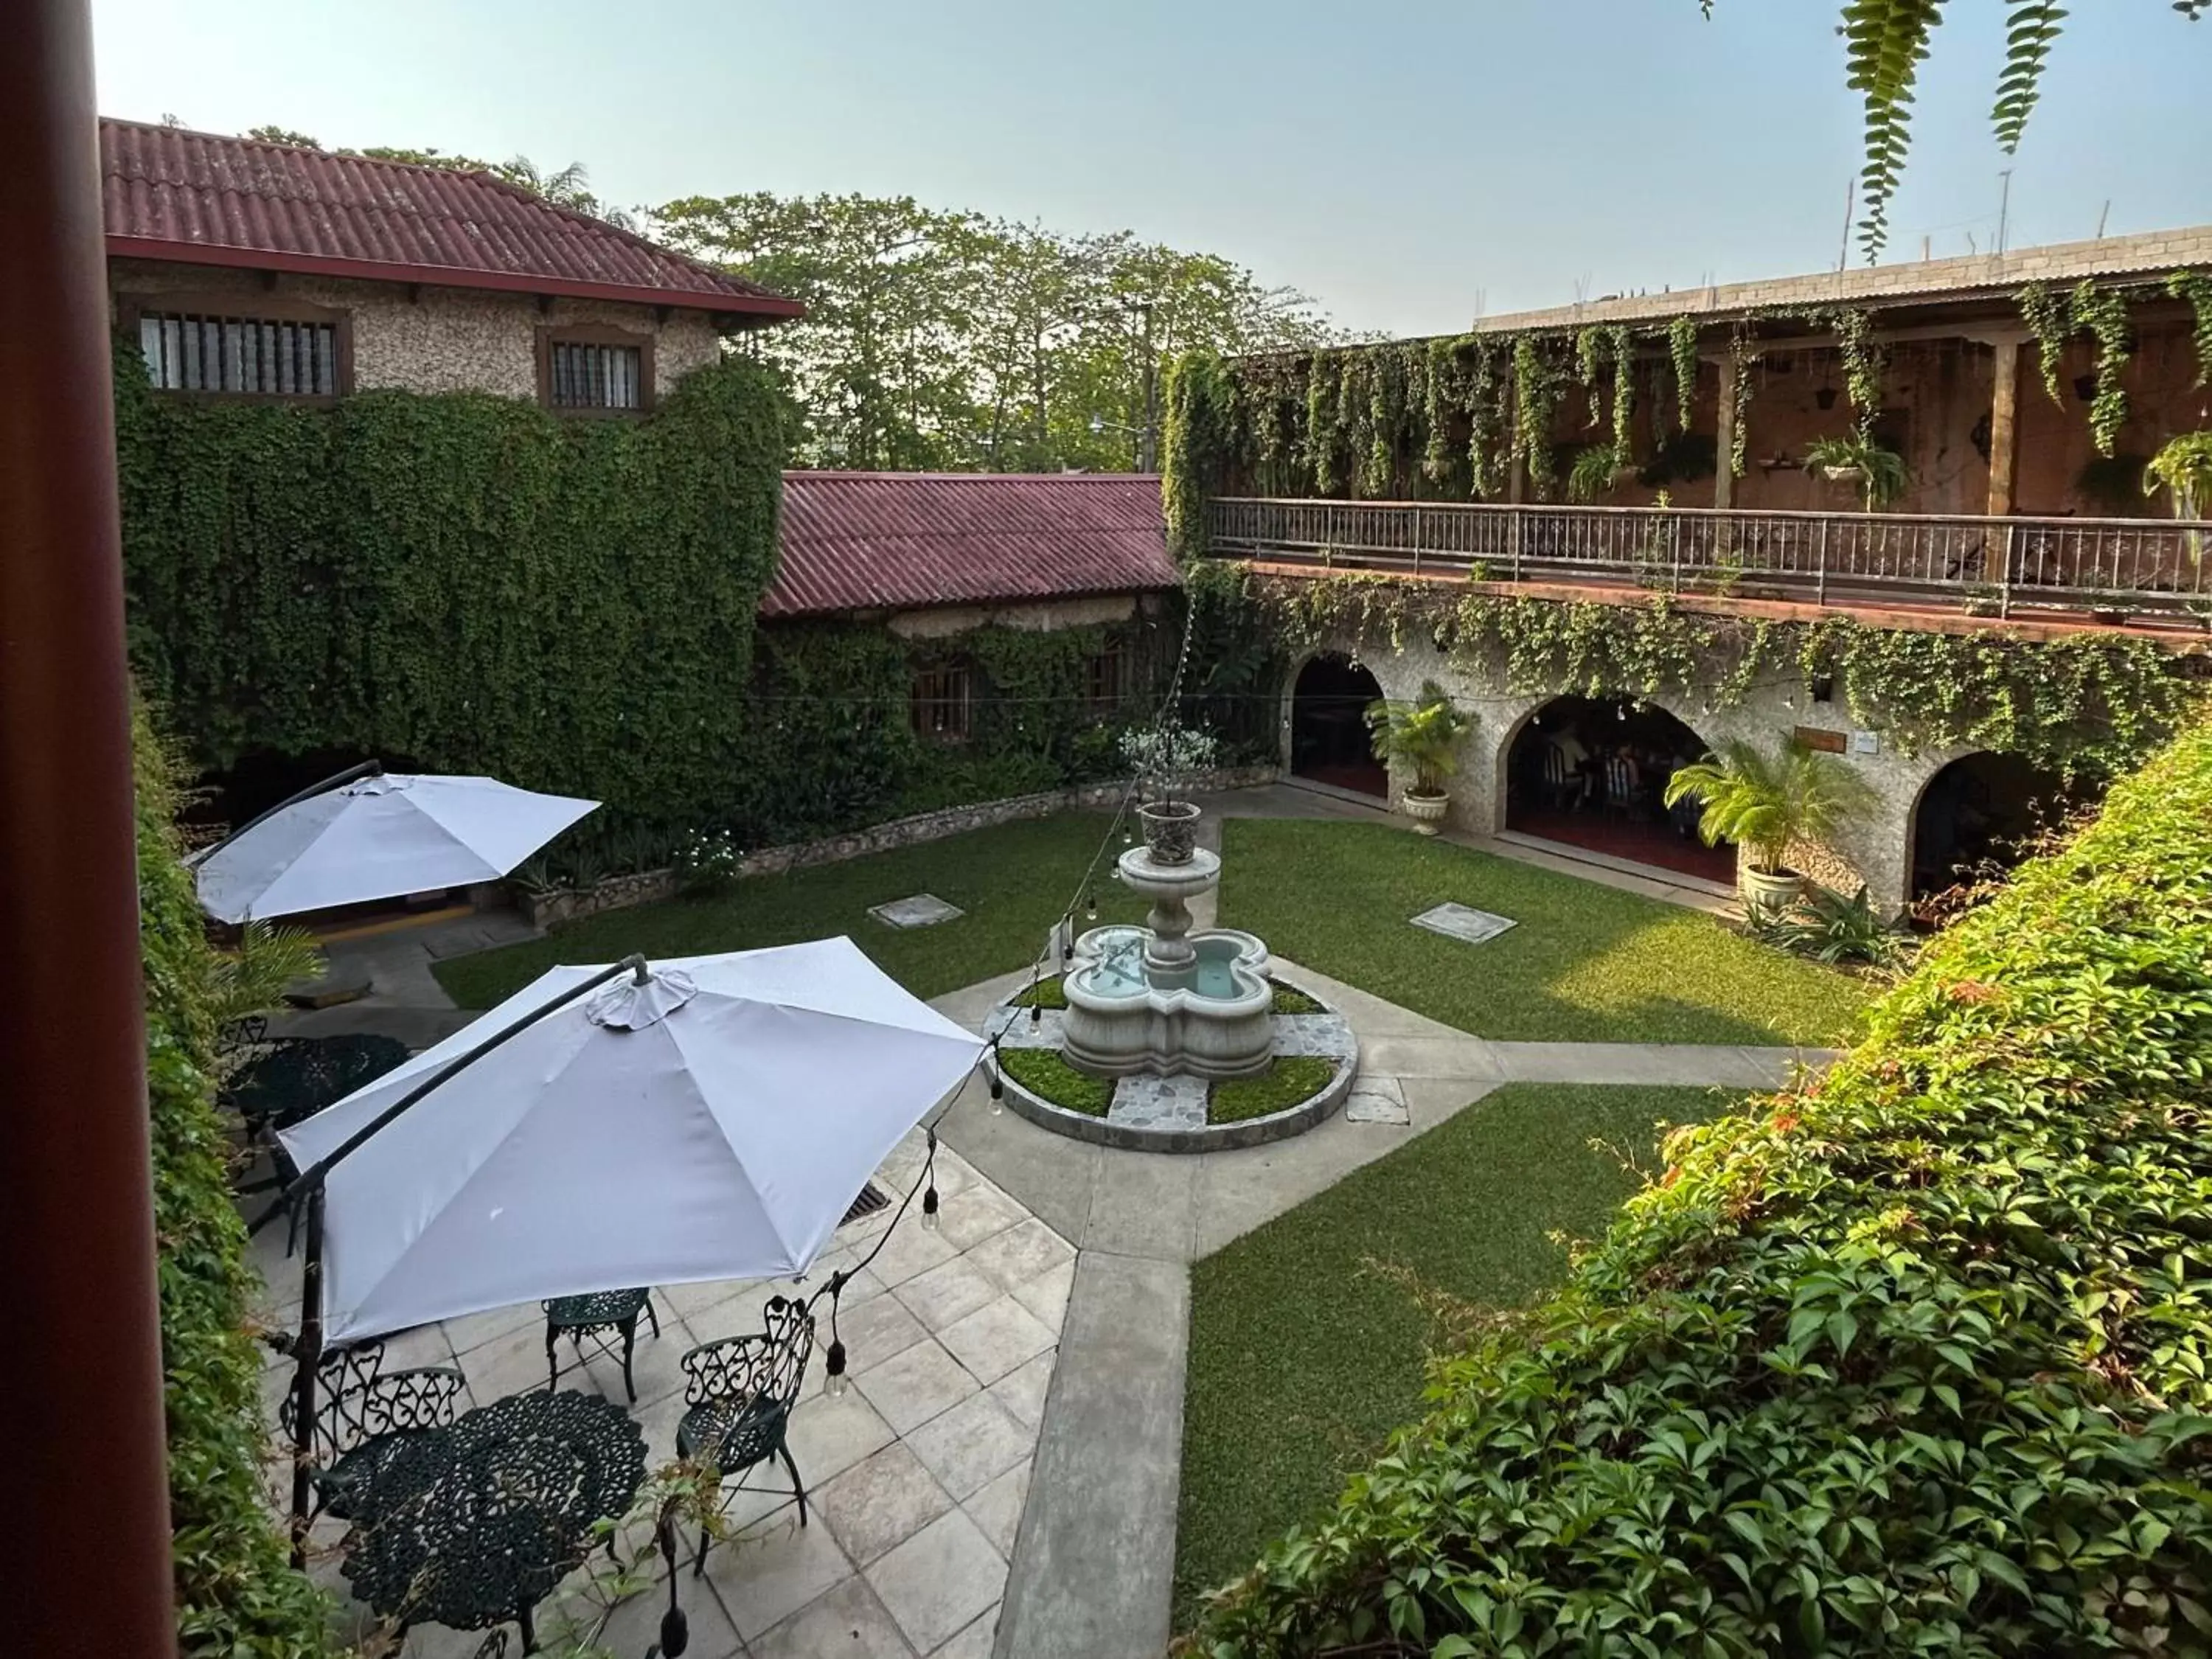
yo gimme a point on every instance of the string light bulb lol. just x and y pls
(998, 1091)
(1036, 1015)
(929, 1209)
(1091, 906)
(836, 1382)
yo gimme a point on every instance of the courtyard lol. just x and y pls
(1110, 1377)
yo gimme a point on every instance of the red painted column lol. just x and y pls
(87, 1549)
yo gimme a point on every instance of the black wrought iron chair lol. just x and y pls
(737, 1396)
(364, 1416)
(294, 1078)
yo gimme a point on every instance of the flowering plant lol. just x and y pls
(1166, 756)
(708, 861)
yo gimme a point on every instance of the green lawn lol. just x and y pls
(1011, 881)
(1585, 963)
(1308, 1337)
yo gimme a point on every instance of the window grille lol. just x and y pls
(194, 351)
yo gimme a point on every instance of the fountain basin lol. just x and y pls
(1206, 1012)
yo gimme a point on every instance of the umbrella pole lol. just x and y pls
(307, 1354)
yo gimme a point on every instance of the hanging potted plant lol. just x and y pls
(1598, 470)
(1878, 471)
(1164, 757)
(1424, 735)
(2184, 470)
(1767, 806)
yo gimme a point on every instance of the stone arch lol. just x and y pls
(1977, 812)
(1326, 730)
(1575, 802)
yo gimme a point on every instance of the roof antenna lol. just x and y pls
(1850, 200)
(2102, 213)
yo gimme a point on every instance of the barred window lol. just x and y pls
(1106, 678)
(940, 700)
(595, 372)
(260, 357)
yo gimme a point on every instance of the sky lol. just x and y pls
(1409, 165)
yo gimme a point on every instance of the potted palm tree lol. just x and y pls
(1767, 805)
(1424, 735)
(1879, 472)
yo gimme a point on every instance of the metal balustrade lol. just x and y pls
(1986, 566)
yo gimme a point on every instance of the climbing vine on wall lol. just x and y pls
(2089, 705)
(1741, 357)
(1487, 394)
(462, 580)
(2103, 312)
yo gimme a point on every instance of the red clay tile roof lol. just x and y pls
(205, 199)
(866, 541)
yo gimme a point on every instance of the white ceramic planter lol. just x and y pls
(1768, 894)
(1427, 811)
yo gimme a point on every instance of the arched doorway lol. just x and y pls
(1328, 725)
(1980, 816)
(1589, 772)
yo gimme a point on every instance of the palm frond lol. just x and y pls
(2028, 34)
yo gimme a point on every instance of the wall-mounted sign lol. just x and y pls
(1814, 737)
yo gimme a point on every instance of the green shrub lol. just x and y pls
(237, 1593)
(1284, 1083)
(1046, 1072)
(1913, 1359)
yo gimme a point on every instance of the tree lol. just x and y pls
(568, 188)
(946, 339)
(1886, 42)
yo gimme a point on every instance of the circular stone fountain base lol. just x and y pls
(1149, 1113)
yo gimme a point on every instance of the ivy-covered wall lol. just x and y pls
(462, 580)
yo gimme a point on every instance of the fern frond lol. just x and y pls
(1886, 41)
(2028, 34)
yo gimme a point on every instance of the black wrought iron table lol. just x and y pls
(474, 1525)
(297, 1077)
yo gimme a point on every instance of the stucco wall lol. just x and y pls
(944, 621)
(1878, 849)
(447, 340)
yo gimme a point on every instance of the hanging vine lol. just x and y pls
(2047, 316)
(1741, 359)
(1624, 392)
(1536, 394)
(1589, 363)
(1324, 393)
(2103, 313)
(1486, 423)
(1682, 350)
(1438, 386)
(1862, 367)
(2195, 287)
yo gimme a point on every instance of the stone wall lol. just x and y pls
(448, 339)
(1878, 850)
(649, 887)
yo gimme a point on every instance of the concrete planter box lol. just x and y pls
(1427, 811)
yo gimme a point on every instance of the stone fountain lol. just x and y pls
(1171, 1015)
(1162, 999)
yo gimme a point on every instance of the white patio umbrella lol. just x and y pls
(378, 836)
(714, 1122)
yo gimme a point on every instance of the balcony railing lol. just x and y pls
(2138, 567)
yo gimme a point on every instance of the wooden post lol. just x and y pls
(1724, 438)
(2004, 427)
(88, 1490)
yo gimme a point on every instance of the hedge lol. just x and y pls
(237, 1593)
(1911, 1360)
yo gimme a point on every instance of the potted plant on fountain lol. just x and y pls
(1425, 735)
(1767, 806)
(1879, 472)
(1164, 756)
(2184, 470)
